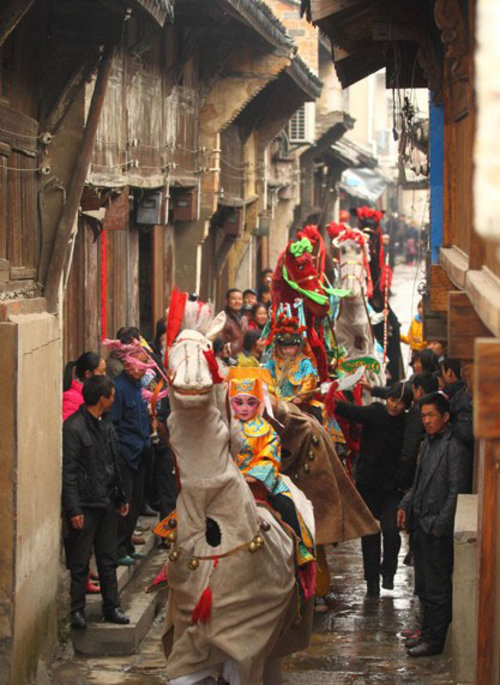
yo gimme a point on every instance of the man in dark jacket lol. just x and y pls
(376, 479)
(91, 494)
(421, 384)
(131, 420)
(428, 512)
(460, 401)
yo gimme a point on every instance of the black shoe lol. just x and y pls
(148, 511)
(425, 649)
(388, 582)
(372, 588)
(78, 621)
(115, 616)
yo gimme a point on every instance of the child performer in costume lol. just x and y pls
(256, 450)
(294, 375)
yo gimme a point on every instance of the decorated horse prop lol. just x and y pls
(299, 274)
(386, 331)
(353, 327)
(232, 607)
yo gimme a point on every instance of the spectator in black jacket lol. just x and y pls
(428, 512)
(377, 479)
(460, 401)
(421, 384)
(91, 494)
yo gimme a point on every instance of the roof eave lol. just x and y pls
(305, 78)
(258, 15)
(160, 10)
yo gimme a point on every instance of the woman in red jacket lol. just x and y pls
(88, 364)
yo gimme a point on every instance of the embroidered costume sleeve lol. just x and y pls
(260, 454)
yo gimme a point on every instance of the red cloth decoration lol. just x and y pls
(369, 213)
(202, 612)
(307, 577)
(334, 230)
(213, 367)
(175, 315)
(103, 286)
(312, 233)
(331, 399)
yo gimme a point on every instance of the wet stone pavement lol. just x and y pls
(357, 642)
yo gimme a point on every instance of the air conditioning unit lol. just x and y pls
(301, 128)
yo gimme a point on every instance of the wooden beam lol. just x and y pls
(11, 15)
(440, 287)
(434, 322)
(464, 326)
(80, 75)
(487, 388)
(65, 226)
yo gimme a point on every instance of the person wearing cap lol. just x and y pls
(250, 297)
(376, 476)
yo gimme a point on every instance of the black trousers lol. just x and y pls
(133, 486)
(433, 558)
(384, 506)
(100, 532)
(165, 489)
(286, 508)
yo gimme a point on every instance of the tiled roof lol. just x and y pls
(259, 15)
(161, 10)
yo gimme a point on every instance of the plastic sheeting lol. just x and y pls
(364, 184)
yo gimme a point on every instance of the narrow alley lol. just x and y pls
(357, 642)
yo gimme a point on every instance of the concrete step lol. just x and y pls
(107, 639)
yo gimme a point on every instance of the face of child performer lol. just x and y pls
(245, 407)
(289, 351)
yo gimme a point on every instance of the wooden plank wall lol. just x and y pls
(81, 310)
(232, 167)
(18, 189)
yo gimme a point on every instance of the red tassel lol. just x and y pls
(203, 610)
(213, 366)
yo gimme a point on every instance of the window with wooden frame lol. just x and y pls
(18, 194)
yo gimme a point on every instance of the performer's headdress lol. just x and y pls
(287, 331)
(251, 381)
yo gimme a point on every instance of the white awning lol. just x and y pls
(364, 184)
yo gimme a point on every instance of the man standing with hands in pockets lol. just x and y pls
(428, 512)
(92, 496)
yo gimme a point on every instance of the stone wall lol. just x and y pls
(465, 579)
(30, 486)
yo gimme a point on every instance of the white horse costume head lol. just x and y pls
(354, 270)
(353, 327)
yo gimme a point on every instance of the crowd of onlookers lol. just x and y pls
(116, 464)
(415, 456)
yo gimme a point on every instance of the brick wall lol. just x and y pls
(304, 33)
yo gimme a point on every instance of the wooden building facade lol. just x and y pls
(433, 44)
